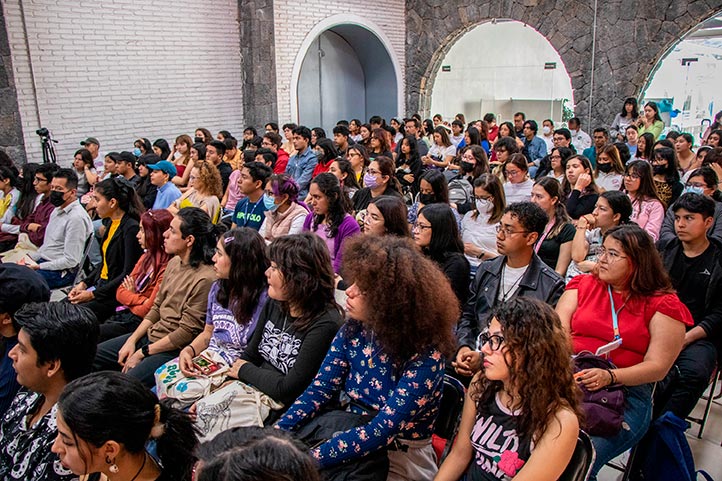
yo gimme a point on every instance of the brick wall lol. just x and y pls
(294, 20)
(122, 69)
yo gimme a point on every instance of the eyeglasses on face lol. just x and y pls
(507, 230)
(495, 341)
(418, 226)
(610, 255)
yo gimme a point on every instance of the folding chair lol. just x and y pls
(580, 466)
(452, 405)
(708, 406)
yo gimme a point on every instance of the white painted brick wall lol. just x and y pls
(294, 20)
(122, 69)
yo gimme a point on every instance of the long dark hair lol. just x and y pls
(338, 203)
(491, 184)
(110, 406)
(350, 181)
(413, 151)
(393, 209)
(653, 106)
(482, 160)
(388, 168)
(308, 277)
(635, 109)
(540, 370)
(620, 204)
(552, 187)
(247, 280)
(439, 185)
(121, 190)
(646, 190)
(197, 222)
(648, 146)
(647, 273)
(445, 235)
(329, 150)
(671, 172)
(154, 223)
(28, 194)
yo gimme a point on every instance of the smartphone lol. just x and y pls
(607, 348)
(205, 365)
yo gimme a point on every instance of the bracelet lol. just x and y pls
(612, 377)
(192, 349)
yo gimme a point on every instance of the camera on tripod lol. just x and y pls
(47, 140)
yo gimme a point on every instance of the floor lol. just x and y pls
(707, 451)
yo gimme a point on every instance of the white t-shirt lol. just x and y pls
(510, 280)
(480, 233)
(610, 181)
(441, 151)
(520, 192)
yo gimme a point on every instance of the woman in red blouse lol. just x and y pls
(629, 280)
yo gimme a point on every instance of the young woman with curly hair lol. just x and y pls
(389, 358)
(329, 217)
(521, 414)
(204, 191)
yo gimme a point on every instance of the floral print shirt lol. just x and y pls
(406, 395)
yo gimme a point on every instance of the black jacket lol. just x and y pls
(671, 249)
(122, 254)
(539, 282)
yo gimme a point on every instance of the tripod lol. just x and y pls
(48, 148)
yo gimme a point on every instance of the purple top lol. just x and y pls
(229, 339)
(349, 227)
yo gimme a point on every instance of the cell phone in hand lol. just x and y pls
(205, 365)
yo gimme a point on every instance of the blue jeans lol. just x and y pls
(637, 416)
(57, 279)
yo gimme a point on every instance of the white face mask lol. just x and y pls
(484, 205)
(574, 132)
(546, 130)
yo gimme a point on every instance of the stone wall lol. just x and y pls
(123, 69)
(11, 132)
(631, 38)
(258, 60)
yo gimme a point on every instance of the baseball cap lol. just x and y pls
(90, 140)
(164, 166)
(19, 285)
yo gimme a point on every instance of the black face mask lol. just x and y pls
(198, 140)
(606, 168)
(57, 198)
(427, 199)
(659, 169)
(467, 167)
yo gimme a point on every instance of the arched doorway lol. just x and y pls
(502, 66)
(347, 72)
(685, 82)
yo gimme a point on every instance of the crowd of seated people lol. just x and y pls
(323, 288)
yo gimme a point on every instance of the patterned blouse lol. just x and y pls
(406, 395)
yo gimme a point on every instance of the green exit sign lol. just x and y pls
(446, 68)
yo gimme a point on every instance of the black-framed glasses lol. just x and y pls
(495, 341)
(418, 226)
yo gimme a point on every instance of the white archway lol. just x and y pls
(354, 28)
(502, 66)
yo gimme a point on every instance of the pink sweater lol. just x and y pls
(649, 214)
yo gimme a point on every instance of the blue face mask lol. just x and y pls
(136, 152)
(691, 189)
(269, 203)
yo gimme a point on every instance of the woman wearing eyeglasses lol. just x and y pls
(521, 413)
(518, 185)
(647, 208)
(119, 207)
(204, 190)
(628, 284)
(436, 232)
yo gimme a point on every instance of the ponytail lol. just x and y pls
(176, 440)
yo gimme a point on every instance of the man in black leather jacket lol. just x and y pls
(518, 271)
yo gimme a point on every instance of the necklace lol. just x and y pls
(141, 467)
(505, 293)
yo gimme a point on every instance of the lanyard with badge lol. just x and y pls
(609, 347)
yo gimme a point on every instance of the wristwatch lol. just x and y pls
(145, 351)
